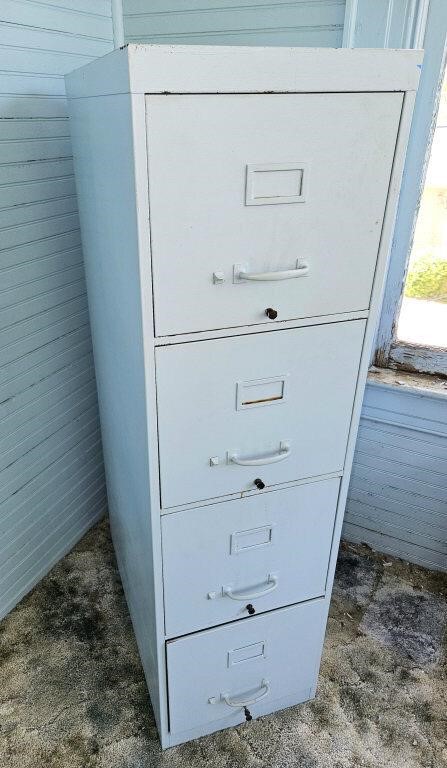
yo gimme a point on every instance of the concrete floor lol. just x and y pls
(72, 693)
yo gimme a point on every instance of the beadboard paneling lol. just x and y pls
(51, 471)
(397, 499)
(253, 22)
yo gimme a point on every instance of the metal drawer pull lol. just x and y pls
(284, 451)
(285, 274)
(235, 702)
(272, 583)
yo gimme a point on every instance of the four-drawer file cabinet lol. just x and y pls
(236, 206)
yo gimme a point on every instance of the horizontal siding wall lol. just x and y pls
(51, 472)
(232, 22)
(397, 499)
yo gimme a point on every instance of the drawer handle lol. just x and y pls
(271, 584)
(263, 277)
(284, 451)
(239, 702)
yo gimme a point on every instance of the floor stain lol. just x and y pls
(412, 622)
(73, 695)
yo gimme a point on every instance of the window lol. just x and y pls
(423, 313)
(413, 327)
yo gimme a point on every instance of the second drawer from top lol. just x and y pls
(254, 411)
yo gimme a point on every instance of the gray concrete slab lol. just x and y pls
(72, 692)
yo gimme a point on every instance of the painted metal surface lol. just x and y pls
(176, 69)
(51, 470)
(113, 184)
(271, 550)
(240, 661)
(111, 178)
(203, 191)
(313, 419)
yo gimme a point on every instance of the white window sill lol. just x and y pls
(411, 383)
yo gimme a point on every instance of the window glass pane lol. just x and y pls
(423, 316)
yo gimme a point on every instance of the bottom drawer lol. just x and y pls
(265, 659)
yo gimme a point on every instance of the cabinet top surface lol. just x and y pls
(237, 69)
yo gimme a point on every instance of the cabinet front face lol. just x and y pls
(222, 563)
(259, 661)
(266, 202)
(242, 413)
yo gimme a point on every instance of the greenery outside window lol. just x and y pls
(413, 329)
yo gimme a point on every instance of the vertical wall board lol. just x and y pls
(254, 22)
(51, 469)
(385, 23)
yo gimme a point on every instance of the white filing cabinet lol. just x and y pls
(237, 206)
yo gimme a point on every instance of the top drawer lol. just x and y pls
(266, 201)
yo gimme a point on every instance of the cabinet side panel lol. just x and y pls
(376, 299)
(113, 231)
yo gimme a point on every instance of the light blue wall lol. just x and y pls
(385, 23)
(232, 22)
(398, 494)
(51, 473)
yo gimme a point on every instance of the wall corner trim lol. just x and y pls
(118, 23)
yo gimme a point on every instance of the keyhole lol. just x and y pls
(248, 717)
(251, 609)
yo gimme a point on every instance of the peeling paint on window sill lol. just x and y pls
(420, 383)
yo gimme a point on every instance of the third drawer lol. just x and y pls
(262, 551)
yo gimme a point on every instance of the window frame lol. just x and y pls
(422, 24)
(390, 351)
